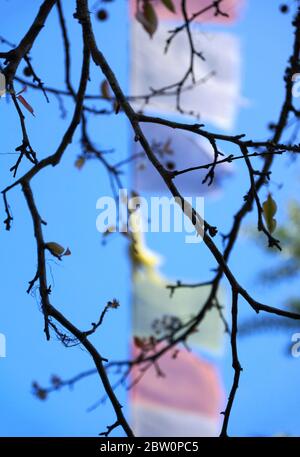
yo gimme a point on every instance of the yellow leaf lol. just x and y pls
(56, 249)
(269, 210)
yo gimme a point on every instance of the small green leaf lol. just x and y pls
(169, 5)
(269, 211)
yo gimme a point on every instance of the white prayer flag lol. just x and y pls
(215, 98)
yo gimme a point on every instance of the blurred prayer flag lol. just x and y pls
(231, 8)
(154, 311)
(216, 95)
(184, 400)
(177, 150)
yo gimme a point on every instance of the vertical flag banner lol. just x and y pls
(181, 394)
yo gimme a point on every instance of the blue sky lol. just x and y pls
(268, 395)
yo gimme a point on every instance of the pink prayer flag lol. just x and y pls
(189, 384)
(230, 7)
(189, 392)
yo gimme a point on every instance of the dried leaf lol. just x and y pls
(148, 18)
(138, 342)
(113, 304)
(80, 161)
(105, 89)
(25, 104)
